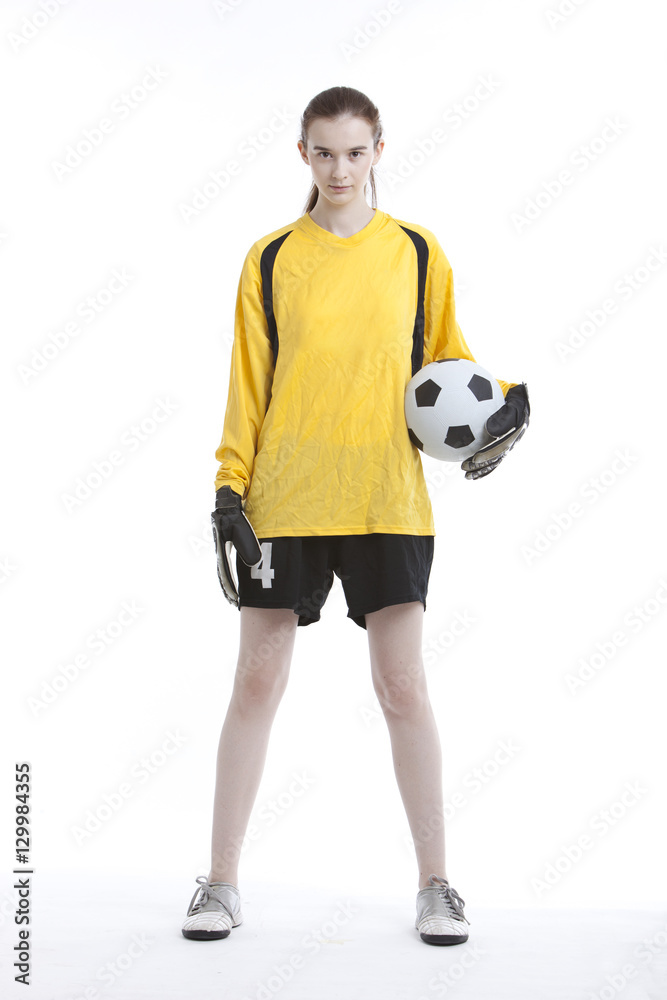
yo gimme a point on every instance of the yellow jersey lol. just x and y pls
(328, 332)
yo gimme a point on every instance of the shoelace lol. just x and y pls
(205, 892)
(450, 897)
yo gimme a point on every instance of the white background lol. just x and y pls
(541, 596)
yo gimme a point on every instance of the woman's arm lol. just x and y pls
(250, 379)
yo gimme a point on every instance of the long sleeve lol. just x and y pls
(250, 379)
(442, 334)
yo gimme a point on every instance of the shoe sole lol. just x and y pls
(443, 938)
(197, 935)
(205, 935)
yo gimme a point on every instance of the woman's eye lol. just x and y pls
(355, 152)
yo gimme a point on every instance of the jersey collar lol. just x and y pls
(324, 236)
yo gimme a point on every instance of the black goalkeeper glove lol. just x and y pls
(507, 425)
(232, 527)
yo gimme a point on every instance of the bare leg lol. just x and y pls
(394, 640)
(265, 656)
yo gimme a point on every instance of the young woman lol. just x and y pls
(335, 313)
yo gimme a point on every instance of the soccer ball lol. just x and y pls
(447, 404)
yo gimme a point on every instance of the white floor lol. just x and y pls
(115, 937)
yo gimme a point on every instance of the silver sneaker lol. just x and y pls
(440, 916)
(214, 909)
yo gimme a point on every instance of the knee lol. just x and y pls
(402, 693)
(260, 683)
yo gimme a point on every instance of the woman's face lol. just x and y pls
(340, 154)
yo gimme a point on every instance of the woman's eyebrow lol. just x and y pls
(349, 150)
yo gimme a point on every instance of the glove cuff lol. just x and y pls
(226, 498)
(519, 394)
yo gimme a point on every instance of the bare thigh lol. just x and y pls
(265, 651)
(397, 668)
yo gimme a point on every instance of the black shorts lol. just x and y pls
(376, 570)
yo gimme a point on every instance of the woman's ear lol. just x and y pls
(378, 151)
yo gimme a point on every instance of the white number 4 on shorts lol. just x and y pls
(263, 570)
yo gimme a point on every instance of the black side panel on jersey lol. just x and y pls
(266, 264)
(421, 246)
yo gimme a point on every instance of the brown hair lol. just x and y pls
(339, 102)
